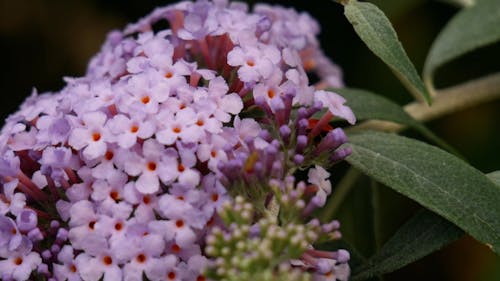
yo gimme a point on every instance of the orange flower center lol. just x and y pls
(18, 261)
(107, 260)
(152, 166)
(114, 195)
(215, 197)
(179, 223)
(271, 93)
(96, 136)
(109, 155)
(175, 248)
(141, 258)
(181, 168)
(145, 99)
(213, 153)
(118, 226)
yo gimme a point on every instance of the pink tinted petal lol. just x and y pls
(79, 138)
(335, 104)
(186, 116)
(161, 61)
(133, 165)
(265, 68)
(158, 45)
(112, 274)
(127, 140)
(137, 64)
(163, 228)
(146, 130)
(248, 128)
(100, 190)
(213, 126)
(119, 124)
(191, 134)
(272, 53)
(94, 119)
(153, 244)
(236, 57)
(147, 183)
(185, 236)
(204, 151)
(166, 137)
(167, 170)
(88, 268)
(94, 150)
(218, 86)
(291, 57)
(189, 178)
(81, 213)
(181, 68)
(151, 149)
(248, 74)
(231, 103)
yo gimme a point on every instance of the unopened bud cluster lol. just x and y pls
(256, 251)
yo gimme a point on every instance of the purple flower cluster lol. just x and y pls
(121, 173)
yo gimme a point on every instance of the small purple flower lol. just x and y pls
(52, 129)
(319, 177)
(90, 137)
(19, 267)
(127, 130)
(335, 104)
(256, 62)
(10, 235)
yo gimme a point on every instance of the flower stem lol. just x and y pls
(446, 101)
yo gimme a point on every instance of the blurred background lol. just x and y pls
(43, 41)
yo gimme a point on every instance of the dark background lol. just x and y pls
(42, 41)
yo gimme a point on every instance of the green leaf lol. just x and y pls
(376, 31)
(495, 177)
(470, 29)
(460, 3)
(434, 178)
(367, 105)
(425, 233)
(356, 214)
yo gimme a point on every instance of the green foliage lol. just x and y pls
(470, 29)
(460, 3)
(420, 236)
(464, 198)
(356, 214)
(377, 33)
(437, 180)
(368, 106)
(495, 177)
